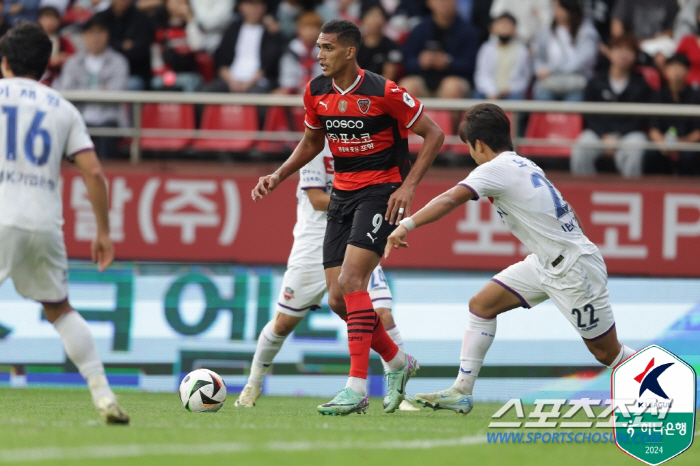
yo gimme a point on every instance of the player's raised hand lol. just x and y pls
(266, 184)
(399, 205)
(396, 240)
(102, 251)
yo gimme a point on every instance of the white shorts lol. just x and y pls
(303, 288)
(37, 263)
(581, 294)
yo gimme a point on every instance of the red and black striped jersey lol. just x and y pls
(366, 126)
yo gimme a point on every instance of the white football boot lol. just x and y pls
(249, 395)
(110, 410)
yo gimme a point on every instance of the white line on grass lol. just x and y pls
(167, 449)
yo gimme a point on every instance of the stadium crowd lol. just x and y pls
(568, 50)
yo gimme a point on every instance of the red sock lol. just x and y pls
(382, 342)
(361, 323)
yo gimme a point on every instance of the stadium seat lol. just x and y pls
(228, 118)
(651, 76)
(551, 126)
(282, 119)
(167, 116)
(444, 121)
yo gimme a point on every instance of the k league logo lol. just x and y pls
(662, 418)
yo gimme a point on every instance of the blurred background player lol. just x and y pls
(32, 251)
(304, 282)
(366, 119)
(564, 266)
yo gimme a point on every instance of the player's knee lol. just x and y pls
(54, 311)
(350, 282)
(478, 306)
(337, 304)
(603, 354)
(283, 326)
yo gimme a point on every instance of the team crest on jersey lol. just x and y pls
(288, 293)
(342, 106)
(364, 105)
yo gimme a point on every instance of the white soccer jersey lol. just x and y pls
(533, 209)
(311, 224)
(39, 127)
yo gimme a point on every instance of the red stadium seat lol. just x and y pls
(231, 118)
(444, 120)
(651, 76)
(551, 126)
(167, 116)
(282, 119)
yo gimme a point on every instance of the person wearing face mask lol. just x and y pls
(503, 68)
(565, 54)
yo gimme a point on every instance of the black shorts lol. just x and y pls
(358, 221)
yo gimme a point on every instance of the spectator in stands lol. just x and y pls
(404, 15)
(440, 54)
(131, 34)
(343, 9)
(79, 11)
(378, 53)
(94, 6)
(247, 60)
(686, 22)
(299, 63)
(651, 22)
(689, 46)
(50, 21)
(565, 54)
(173, 57)
(212, 17)
(679, 129)
(503, 68)
(150, 7)
(97, 68)
(533, 16)
(600, 13)
(60, 5)
(4, 23)
(619, 84)
(21, 10)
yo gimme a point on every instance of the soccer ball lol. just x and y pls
(202, 390)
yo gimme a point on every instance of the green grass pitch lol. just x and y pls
(60, 426)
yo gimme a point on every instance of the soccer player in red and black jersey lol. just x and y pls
(366, 119)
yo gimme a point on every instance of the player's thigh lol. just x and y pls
(356, 269)
(335, 240)
(582, 296)
(42, 274)
(13, 243)
(516, 286)
(302, 290)
(379, 291)
(369, 229)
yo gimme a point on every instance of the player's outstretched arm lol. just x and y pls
(432, 142)
(311, 144)
(91, 169)
(433, 211)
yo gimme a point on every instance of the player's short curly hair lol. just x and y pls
(347, 31)
(27, 49)
(489, 124)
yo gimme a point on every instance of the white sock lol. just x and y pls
(625, 353)
(357, 384)
(395, 336)
(477, 341)
(81, 350)
(269, 344)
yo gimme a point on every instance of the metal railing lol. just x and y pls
(137, 99)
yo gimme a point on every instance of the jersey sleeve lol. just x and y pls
(78, 138)
(313, 174)
(311, 119)
(487, 180)
(401, 105)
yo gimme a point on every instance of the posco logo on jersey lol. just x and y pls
(349, 124)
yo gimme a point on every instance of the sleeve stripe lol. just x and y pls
(415, 118)
(476, 195)
(313, 187)
(312, 127)
(85, 149)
